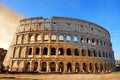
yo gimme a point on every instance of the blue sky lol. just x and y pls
(103, 12)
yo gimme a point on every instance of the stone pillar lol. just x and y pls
(49, 51)
(39, 66)
(81, 68)
(56, 67)
(48, 66)
(65, 67)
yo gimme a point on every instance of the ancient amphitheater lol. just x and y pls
(60, 44)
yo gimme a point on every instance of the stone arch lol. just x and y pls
(69, 67)
(76, 52)
(68, 38)
(45, 51)
(68, 51)
(44, 66)
(89, 53)
(77, 67)
(61, 67)
(53, 37)
(75, 39)
(27, 67)
(53, 51)
(83, 52)
(52, 66)
(61, 37)
(46, 37)
(101, 67)
(37, 51)
(94, 53)
(96, 67)
(35, 66)
(91, 67)
(84, 67)
(61, 51)
(30, 51)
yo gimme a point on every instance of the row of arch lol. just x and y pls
(68, 51)
(68, 38)
(69, 67)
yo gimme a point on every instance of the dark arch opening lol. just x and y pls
(83, 52)
(76, 52)
(35, 66)
(27, 67)
(44, 66)
(53, 51)
(61, 51)
(68, 51)
(30, 51)
(37, 51)
(77, 67)
(85, 67)
(45, 51)
(52, 66)
(61, 67)
(69, 67)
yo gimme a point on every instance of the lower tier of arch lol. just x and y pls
(62, 66)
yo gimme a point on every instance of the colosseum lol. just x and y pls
(60, 45)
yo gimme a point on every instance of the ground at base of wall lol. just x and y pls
(110, 76)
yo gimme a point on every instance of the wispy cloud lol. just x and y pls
(9, 21)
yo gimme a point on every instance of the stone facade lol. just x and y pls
(60, 44)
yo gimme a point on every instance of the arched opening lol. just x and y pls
(27, 67)
(77, 67)
(96, 67)
(53, 38)
(35, 66)
(76, 52)
(52, 66)
(75, 39)
(101, 67)
(91, 67)
(99, 53)
(88, 41)
(89, 53)
(69, 67)
(61, 67)
(39, 37)
(61, 37)
(93, 41)
(53, 51)
(31, 38)
(37, 51)
(30, 51)
(46, 37)
(83, 52)
(84, 67)
(45, 51)
(44, 66)
(82, 40)
(68, 51)
(94, 53)
(61, 51)
(68, 38)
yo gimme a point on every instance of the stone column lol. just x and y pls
(65, 67)
(56, 67)
(48, 51)
(39, 66)
(48, 67)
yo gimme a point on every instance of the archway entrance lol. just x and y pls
(35, 66)
(84, 67)
(61, 67)
(44, 66)
(27, 67)
(52, 66)
(69, 67)
(77, 67)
